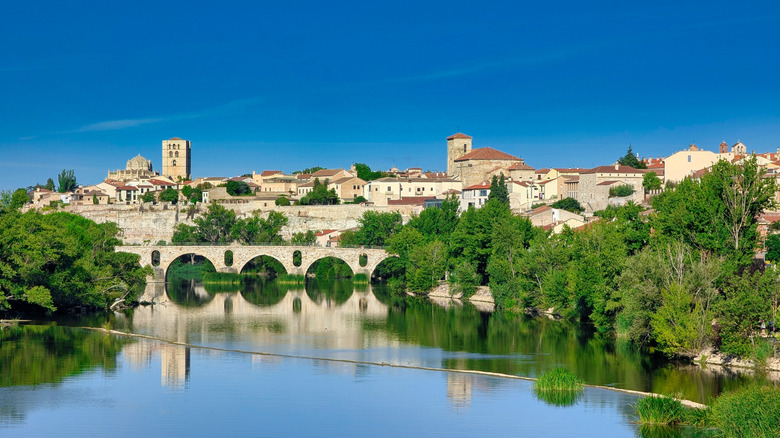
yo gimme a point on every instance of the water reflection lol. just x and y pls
(337, 320)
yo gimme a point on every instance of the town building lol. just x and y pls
(136, 168)
(593, 191)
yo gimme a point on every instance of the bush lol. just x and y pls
(657, 409)
(282, 201)
(753, 411)
(568, 204)
(559, 379)
(621, 190)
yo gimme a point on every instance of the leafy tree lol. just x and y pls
(427, 264)
(772, 245)
(307, 238)
(67, 181)
(650, 181)
(747, 299)
(320, 195)
(238, 188)
(282, 201)
(308, 170)
(365, 173)
(568, 204)
(49, 185)
(257, 229)
(216, 224)
(498, 190)
(169, 195)
(184, 233)
(148, 197)
(61, 260)
(375, 229)
(437, 222)
(359, 200)
(631, 160)
(19, 199)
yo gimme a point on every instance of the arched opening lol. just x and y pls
(363, 260)
(184, 278)
(329, 268)
(389, 268)
(329, 280)
(228, 258)
(297, 258)
(155, 258)
(262, 292)
(264, 266)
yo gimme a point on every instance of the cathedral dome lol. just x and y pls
(139, 163)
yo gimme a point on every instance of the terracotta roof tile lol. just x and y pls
(481, 186)
(487, 154)
(411, 200)
(270, 172)
(458, 135)
(611, 169)
(520, 165)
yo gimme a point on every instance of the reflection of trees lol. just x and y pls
(188, 292)
(31, 355)
(262, 292)
(337, 291)
(264, 265)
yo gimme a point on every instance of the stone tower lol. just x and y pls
(739, 148)
(176, 158)
(724, 148)
(458, 145)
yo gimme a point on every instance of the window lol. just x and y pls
(177, 153)
(689, 158)
(464, 148)
(170, 154)
(174, 162)
(483, 193)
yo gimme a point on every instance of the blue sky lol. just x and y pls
(287, 85)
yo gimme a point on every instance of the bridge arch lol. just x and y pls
(265, 259)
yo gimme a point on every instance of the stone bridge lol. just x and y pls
(242, 254)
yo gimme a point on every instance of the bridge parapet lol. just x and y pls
(242, 254)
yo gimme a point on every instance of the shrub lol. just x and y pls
(282, 201)
(559, 379)
(568, 204)
(657, 409)
(621, 190)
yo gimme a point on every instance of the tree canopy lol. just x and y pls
(629, 159)
(67, 181)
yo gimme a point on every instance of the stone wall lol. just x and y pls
(148, 224)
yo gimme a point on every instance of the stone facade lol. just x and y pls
(458, 145)
(594, 185)
(176, 158)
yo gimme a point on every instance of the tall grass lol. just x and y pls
(559, 379)
(360, 278)
(749, 412)
(291, 279)
(659, 409)
(222, 278)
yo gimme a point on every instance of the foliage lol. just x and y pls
(220, 225)
(629, 159)
(238, 188)
(752, 411)
(49, 185)
(148, 197)
(559, 379)
(307, 238)
(255, 229)
(331, 268)
(621, 190)
(498, 190)
(746, 300)
(67, 181)
(650, 181)
(427, 264)
(772, 246)
(359, 200)
(308, 170)
(19, 199)
(366, 174)
(194, 195)
(660, 410)
(320, 195)
(375, 229)
(568, 204)
(169, 195)
(60, 260)
(282, 201)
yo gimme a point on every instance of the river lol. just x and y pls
(328, 359)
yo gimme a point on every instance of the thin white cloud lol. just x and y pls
(113, 125)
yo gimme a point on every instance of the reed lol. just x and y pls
(222, 278)
(559, 379)
(291, 279)
(753, 411)
(360, 278)
(659, 409)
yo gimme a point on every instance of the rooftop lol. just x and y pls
(487, 154)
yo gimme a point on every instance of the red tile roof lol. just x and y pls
(542, 171)
(412, 200)
(270, 172)
(127, 188)
(607, 183)
(458, 135)
(520, 165)
(176, 138)
(487, 154)
(480, 186)
(611, 169)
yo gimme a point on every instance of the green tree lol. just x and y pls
(621, 190)
(257, 229)
(238, 188)
(366, 174)
(772, 246)
(49, 185)
(427, 264)
(148, 197)
(650, 181)
(308, 170)
(320, 195)
(282, 201)
(375, 229)
(568, 204)
(216, 225)
(746, 301)
(631, 160)
(169, 195)
(498, 190)
(19, 199)
(307, 238)
(67, 181)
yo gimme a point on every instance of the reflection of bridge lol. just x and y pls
(242, 254)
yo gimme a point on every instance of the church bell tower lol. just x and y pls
(176, 159)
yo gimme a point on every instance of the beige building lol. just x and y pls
(472, 166)
(176, 158)
(548, 217)
(383, 190)
(685, 163)
(135, 169)
(348, 188)
(594, 185)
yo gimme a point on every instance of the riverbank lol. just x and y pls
(713, 357)
(482, 298)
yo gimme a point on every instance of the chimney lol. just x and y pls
(617, 165)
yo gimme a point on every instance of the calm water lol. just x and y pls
(273, 361)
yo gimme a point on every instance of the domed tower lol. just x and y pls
(458, 145)
(176, 158)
